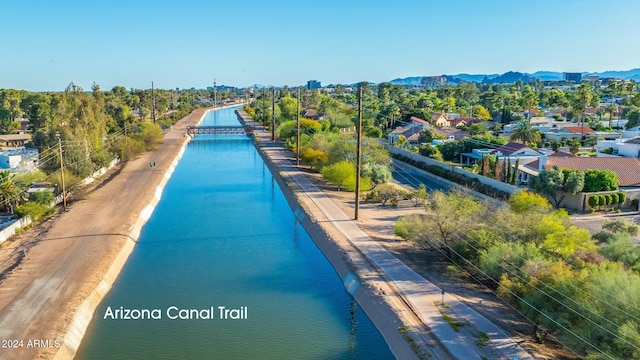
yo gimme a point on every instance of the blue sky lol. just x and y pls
(48, 44)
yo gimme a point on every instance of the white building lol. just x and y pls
(619, 147)
(19, 159)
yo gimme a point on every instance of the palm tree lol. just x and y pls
(525, 133)
(8, 189)
(610, 109)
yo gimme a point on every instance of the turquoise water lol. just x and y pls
(223, 235)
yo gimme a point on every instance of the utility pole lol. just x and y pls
(298, 132)
(153, 103)
(64, 192)
(358, 151)
(273, 114)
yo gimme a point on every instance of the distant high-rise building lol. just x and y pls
(575, 77)
(313, 84)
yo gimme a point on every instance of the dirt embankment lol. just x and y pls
(69, 263)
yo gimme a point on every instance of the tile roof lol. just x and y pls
(628, 169)
(578, 129)
(418, 120)
(511, 148)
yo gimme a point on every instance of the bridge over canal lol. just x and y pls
(220, 130)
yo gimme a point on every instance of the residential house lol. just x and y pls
(438, 119)
(19, 159)
(627, 169)
(631, 133)
(512, 150)
(14, 140)
(569, 133)
(415, 121)
(312, 114)
(450, 132)
(619, 147)
(412, 134)
(411, 131)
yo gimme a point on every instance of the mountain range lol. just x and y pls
(512, 77)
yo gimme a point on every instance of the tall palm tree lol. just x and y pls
(525, 133)
(8, 189)
(610, 109)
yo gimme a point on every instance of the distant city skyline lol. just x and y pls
(132, 43)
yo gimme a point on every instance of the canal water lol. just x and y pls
(224, 236)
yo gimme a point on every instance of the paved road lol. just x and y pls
(420, 293)
(406, 175)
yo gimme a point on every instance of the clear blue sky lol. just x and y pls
(48, 44)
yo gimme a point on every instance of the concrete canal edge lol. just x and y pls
(348, 264)
(84, 312)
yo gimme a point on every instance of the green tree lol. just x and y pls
(312, 156)
(419, 196)
(556, 184)
(449, 216)
(523, 201)
(600, 180)
(9, 190)
(339, 173)
(288, 107)
(525, 133)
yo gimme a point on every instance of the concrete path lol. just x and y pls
(420, 294)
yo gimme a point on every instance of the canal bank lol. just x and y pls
(404, 333)
(411, 295)
(70, 266)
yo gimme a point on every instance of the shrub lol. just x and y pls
(42, 197)
(608, 199)
(614, 199)
(594, 201)
(603, 200)
(622, 197)
(34, 210)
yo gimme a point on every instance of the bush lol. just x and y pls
(35, 210)
(608, 199)
(622, 197)
(594, 201)
(614, 199)
(603, 200)
(42, 197)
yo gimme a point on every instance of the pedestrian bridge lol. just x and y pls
(220, 130)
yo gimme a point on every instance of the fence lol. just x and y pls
(498, 185)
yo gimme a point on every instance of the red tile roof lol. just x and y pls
(627, 169)
(578, 129)
(418, 120)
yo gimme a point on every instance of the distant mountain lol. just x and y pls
(511, 77)
(410, 81)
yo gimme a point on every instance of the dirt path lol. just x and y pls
(67, 257)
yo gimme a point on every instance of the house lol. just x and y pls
(19, 159)
(448, 132)
(415, 121)
(512, 150)
(569, 133)
(312, 114)
(14, 140)
(412, 134)
(631, 133)
(619, 147)
(438, 119)
(627, 169)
